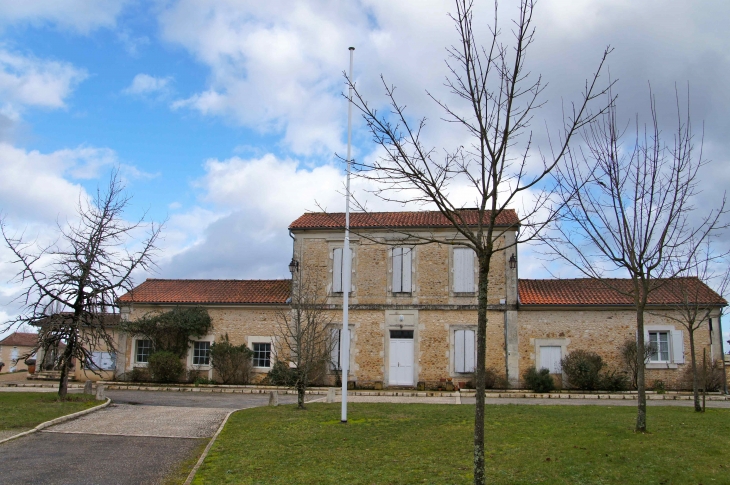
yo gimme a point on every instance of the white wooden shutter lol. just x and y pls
(407, 255)
(337, 271)
(335, 352)
(550, 358)
(397, 270)
(677, 347)
(463, 270)
(464, 351)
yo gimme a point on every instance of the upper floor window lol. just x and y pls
(402, 263)
(463, 270)
(338, 267)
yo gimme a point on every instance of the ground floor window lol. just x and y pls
(201, 353)
(142, 351)
(660, 346)
(261, 354)
(102, 361)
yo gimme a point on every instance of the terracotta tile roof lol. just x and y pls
(586, 291)
(375, 220)
(210, 291)
(20, 339)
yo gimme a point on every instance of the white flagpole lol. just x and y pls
(347, 260)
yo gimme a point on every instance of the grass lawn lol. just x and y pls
(19, 410)
(423, 443)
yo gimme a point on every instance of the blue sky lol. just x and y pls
(225, 116)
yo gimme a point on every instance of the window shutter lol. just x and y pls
(397, 270)
(407, 254)
(459, 351)
(677, 346)
(335, 353)
(469, 351)
(337, 271)
(550, 358)
(463, 270)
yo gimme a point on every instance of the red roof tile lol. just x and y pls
(375, 220)
(587, 291)
(210, 291)
(20, 339)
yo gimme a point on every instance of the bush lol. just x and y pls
(138, 375)
(714, 378)
(583, 370)
(281, 375)
(538, 381)
(494, 379)
(615, 381)
(658, 386)
(231, 362)
(165, 366)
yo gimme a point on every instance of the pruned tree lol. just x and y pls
(304, 334)
(495, 98)
(629, 351)
(695, 302)
(628, 205)
(72, 285)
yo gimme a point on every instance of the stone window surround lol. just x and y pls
(261, 340)
(452, 347)
(662, 328)
(561, 342)
(393, 245)
(189, 360)
(135, 362)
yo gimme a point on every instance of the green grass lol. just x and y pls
(19, 410)
(415, 443)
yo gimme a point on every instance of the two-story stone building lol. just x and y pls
(413, 306)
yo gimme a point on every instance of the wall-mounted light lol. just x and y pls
(293, 266)
(512, 261)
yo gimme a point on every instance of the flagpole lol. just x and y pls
(347, 259)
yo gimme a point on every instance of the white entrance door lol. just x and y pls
(401, 361)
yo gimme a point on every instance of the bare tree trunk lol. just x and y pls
(301, 388)
(695, 383)
(65, 368)
(479, 465)
(641, 379)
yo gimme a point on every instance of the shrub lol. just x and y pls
(538, 381)
(138, 375)
(165, 366)
(231, 362)
(658, 386)
(614, 381)
(495, 379)
(583, 368)
(714, 376)
(281, 375)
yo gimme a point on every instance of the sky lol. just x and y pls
(226, 118)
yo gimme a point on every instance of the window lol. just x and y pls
(142, 351)
(660, 346)
(102, 361)
(338, 270)
(402, 270)
(463, 270)
(261, 354)
(464, 351)
(201, 353)
(550, 356)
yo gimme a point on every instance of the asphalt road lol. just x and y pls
(141, 438)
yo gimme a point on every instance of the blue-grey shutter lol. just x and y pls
(407, 264)
(677, 347)
(335, 352)
(397, 270)
(463, 270)
(469, 351)
(459, 351)
(337, 270)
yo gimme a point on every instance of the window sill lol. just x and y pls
(661, 365)
(464, 293)
(141, 365)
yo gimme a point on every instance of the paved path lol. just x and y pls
(142, 437)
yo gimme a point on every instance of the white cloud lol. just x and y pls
(28, 81)
(144, 84)
(81, 16)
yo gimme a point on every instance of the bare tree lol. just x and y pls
(633, 360)
(72, 285)
(695, 301)
(304, 333)
(496, 98)
(628, 205)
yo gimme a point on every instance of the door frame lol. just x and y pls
(400, 320)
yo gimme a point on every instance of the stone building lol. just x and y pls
(413, 306)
